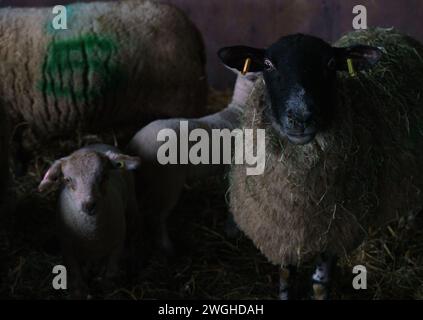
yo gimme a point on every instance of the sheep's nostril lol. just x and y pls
(294, 123)
(298, 121)
(290, 119)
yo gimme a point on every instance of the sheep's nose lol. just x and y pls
(89, 207)
(298, 121)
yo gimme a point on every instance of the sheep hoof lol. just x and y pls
(322, 277)
(320, 291)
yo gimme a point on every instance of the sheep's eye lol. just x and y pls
(69, 182)
(120, 164)
(268, 65)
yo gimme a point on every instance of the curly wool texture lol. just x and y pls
(118, 63)
(362, 172)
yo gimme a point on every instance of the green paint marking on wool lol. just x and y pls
(71, 65)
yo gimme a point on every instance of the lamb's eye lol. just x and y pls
(69, 182)
(268, 65)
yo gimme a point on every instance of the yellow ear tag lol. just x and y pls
(351, 68)
(121, 164)
(247, 65)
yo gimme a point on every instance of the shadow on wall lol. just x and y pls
(259, 23)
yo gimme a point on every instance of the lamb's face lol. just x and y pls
(85, 175)
(300, 76)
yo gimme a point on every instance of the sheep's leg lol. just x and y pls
(157, 223)
(285, 280)
(163, 238)
(167, 197)
(134, 238)
(321, 277)
(78, 289)
(159, 191)
(113, 263)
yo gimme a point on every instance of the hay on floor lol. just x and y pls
(209, 264)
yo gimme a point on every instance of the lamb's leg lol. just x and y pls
(78, 289)
(157, 215)
(159, 188)
(166, 197)
(162, 236)
(112, 270)
(321, 277)
(134, 236)
(285, 280)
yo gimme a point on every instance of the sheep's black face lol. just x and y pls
(300, 84)
(300, 76)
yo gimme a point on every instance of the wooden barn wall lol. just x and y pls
(260, 22)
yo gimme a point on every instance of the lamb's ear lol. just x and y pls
(122, 161)
(355, 58)
(235, 58)
(52, 176)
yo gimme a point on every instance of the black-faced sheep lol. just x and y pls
(119, 63)
(345, 149)
(97, 206)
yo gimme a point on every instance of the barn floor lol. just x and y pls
(209, 265)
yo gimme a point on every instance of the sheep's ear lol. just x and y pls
(235, 58)
(122, 161)
(52, 177)
(356, 58)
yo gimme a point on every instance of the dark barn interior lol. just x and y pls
(209, 265)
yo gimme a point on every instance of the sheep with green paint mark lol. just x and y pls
(118, 64)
